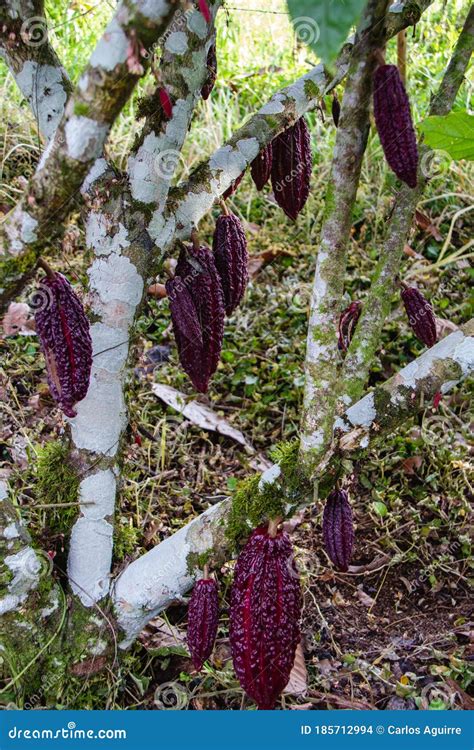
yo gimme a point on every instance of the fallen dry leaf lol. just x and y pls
(160, 634)
(18, 320)
(425, 223)
(412, 464)
(206, 419)
(298, 682)
(259, 260)
(157, 290)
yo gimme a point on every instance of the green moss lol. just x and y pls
(81, 108)
(311, 90)
(197, 560)
(126, 540)
(57, 483)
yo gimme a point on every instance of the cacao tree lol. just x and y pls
(136, 219)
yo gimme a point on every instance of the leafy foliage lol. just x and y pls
(453, 133)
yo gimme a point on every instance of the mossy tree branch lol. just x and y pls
(322, 354)
(377, 306)
(104, 87)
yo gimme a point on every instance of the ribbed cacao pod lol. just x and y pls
(196, 272)
(261, 167)
(394, 124)
(291, 168)
(420, 315)
(264, 616)
(203, 618)
(63, 330)
(338, 530)
(231, 258)
(233, 187)
(335, 110)
(186, 328)
(347, 324)
(211, 72)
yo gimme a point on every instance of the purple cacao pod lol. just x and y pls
(394, 124)
(211, 72)
(265, 612)
(186, 328)
(347, 323)
(63, 330)
(335, 110)
(199, 355)
(338, 530)
(233, 187)
(261, 167)
(420, 315)
(203, 618)
(291, 168)
(231, 258)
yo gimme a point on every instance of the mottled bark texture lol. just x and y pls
(383, 287)
(322, 354)
(103, 88)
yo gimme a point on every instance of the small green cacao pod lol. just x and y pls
(347, 323)
(420, 315)
(231, 258)
(261, 167)
(338, 530)
(63, 330)
(291, 168)
(264, 621)
(203, 619)
(394, 124)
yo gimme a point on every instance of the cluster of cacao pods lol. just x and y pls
(264, 618)
(63, 330)
(394, 123)
(207, 285)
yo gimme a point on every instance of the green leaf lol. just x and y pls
(380, 508)
(453, 133)
(324, 24)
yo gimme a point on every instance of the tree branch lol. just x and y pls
(322, 354)
(376, 307)
(163, 575)
(118, 279)
(102, 91)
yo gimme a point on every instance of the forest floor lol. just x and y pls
(396, 630)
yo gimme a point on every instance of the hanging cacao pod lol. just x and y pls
(291, 168)
(211, 72)
(347, 323)
(231, 258)
(265, 611)
(394, 124)
(197, 273)
(203, 618)
(420, 315)
(233, 187)
(186, 328)
(165, 101)
(338, 530)
(261, 167)
(204, 8)
(335, 110)
(63, 330)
